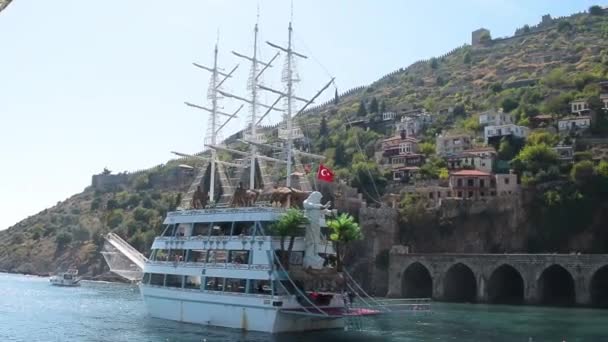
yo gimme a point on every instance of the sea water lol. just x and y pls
(33, 310)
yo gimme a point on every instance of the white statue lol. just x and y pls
(313, 209)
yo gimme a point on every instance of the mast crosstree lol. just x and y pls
(214, 127)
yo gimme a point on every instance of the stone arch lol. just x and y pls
(459, 284)
(599, 287)
(556, 286)
(506, 286)
(417, 281)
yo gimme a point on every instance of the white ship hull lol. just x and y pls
(230, 311)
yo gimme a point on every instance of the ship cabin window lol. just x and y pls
(214, 284)
(161, 255)
(146, 279)
(197, 255)
(201, 229)
(177, 254)
(217, 256)
(266, 227)
(169, 230)
(239, 257)
(192, 282)
(261, 287)
(173, 280)
(235, 285)
(221, 228)
(244, 228)
(157, 279)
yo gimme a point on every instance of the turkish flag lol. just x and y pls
(325, 174)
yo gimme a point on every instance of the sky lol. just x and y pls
(91, 84)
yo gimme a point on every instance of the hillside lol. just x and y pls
(538, 71)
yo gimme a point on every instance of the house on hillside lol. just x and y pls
(497, 132)
(506, 184)
(472, 184)
(574, 123)
(450, 144)
(541, 120)
(400, 153)
(495, 118)
(481, 159)
(604, 94)
(565, 153)
(411, 126)
(579, 107)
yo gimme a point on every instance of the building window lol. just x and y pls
(506, 180)
(482, 183)
(157, 279)
(405, 148)
(430, 195)
(459, 182)
(261, 287)
(192, 282)
(235, 285)
(197, 255)
(470, 194)
(460, 194)
(173, 280)
(493, 193)
(146, 278)
(239, 257)
(492, 182)
(449, 194)
(470, 182)
(217, 256)
(482, 194)
(214, 284)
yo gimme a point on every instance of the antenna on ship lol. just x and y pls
(214, 125)
(253, 85)
(288, 78)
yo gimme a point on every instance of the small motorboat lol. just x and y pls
(69, 278)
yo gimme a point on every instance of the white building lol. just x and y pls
(386, 116)
(495, 118)
(506, 184)
(481, 159)
(565, 153)
(410, 125)
(579, 106)
(573, 123)
(446, 144)
(505, 130)
(604, 99)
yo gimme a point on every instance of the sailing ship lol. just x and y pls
(218, 262)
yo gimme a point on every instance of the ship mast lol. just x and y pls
(213, 95)
(253, 86)
(288, 78)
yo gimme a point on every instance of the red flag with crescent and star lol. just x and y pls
(325, 174)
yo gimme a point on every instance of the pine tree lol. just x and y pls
(373, 107)
(336, 99)
(323, 130)
(362, 111)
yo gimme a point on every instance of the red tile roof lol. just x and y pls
(470, 173)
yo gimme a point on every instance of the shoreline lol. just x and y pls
(107, 277)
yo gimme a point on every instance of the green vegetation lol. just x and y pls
(344, 230)
(288, 226)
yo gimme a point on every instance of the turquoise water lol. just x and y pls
(33, 310)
